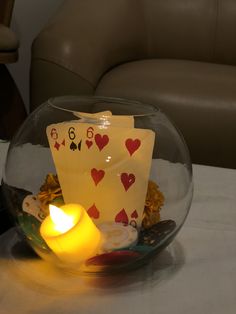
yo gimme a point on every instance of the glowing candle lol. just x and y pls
(70, 233)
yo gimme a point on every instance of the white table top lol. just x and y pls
(196, 274)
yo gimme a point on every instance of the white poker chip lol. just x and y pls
(117, 236)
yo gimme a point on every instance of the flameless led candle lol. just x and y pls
(70, 233)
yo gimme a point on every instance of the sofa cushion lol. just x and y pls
(199, 97)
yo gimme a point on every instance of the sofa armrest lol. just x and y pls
(88, 37)
(6, 8)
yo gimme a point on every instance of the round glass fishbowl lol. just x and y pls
(98, 184)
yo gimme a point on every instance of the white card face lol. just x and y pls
(103, 168)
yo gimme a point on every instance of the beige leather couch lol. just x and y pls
(177, 54)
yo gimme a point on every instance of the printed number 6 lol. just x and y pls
(71, 133)
(54, 134)
(90, 132)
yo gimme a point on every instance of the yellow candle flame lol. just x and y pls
(61, 220)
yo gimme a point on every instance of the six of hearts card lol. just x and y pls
(103, 168)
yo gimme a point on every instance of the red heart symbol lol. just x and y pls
(132, 145)
(122, 217)
(127, 180)
(93, 212)
(89, 143)
(101, 141)
(134, 214)
(97, 175)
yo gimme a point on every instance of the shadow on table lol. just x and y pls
(28, 269)
(161, 268)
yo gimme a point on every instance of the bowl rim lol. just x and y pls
(149, 109)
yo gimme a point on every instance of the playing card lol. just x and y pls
(56, 142)
(32, 206)
(98, 115)
(105, 118)
(104, 168)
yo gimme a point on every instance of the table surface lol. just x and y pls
(195, 274)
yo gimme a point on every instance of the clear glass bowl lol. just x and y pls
(123, 161)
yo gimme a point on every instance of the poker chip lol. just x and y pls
(32, 205)
(115, 258)
(157, 233)
(117, 236)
